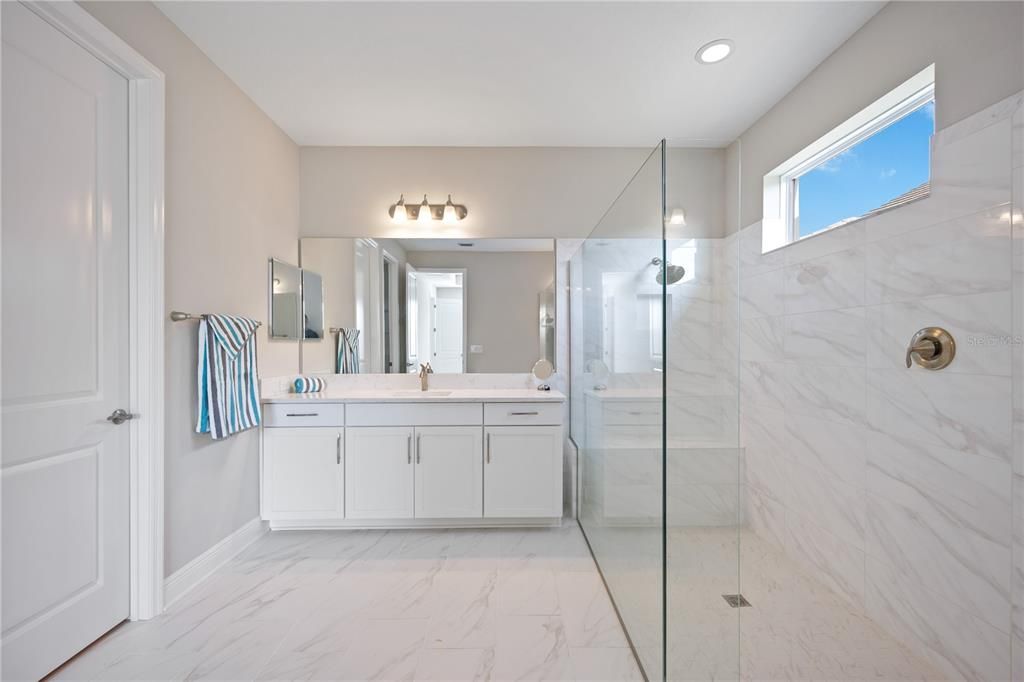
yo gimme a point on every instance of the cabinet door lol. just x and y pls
(449, 472)
(378, 472)
(303, 473)
(522, 471)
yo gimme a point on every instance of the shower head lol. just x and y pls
(668, 274)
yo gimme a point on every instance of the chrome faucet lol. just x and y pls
(424, 371)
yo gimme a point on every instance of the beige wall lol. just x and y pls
(977, 49)
(501, 292)
(232, 202)
(510, 192)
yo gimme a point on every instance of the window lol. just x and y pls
(878, 159)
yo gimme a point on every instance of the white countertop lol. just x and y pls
(438, 395)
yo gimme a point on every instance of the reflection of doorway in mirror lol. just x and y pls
(389, 313)
(438, 323)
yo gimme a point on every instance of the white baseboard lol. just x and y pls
(186, 578)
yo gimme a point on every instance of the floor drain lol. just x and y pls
(735, 600)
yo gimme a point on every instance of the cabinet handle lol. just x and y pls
(408, 449)
(523, 414)
(302, 414)
(488, 448)
(338, 448)
(417, 448)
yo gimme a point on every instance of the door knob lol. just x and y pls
(120, 416)
(931, 348)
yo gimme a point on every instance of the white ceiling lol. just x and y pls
(515, 73)
(488, 245)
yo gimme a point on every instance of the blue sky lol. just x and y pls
(869, 174)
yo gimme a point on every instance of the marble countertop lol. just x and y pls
(438, 395)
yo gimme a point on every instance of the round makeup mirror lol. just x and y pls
(543, 369)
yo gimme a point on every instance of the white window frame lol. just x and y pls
(780, 223)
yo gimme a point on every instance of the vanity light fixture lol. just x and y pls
(714, 52)
(449, 217)
(677, 217)
(423, 213)
(424, 216)
(398, 212)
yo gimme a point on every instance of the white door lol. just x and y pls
(447, 358)
(449, 472)
(303, 473)
(378, 472)
(65, 468)
(523, 471)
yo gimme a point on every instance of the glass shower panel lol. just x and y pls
(618, 361)
(702, 455)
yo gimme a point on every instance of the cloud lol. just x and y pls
(887, 173)
(833, 165)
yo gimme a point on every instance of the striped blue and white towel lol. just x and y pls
(229, 399)
(348, 351)
(309, 385)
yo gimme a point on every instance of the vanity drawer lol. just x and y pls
(303, 414)
(414, 414)
(514, 414)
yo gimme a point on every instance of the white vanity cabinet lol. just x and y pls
(303, 473)
(404, 464)
(522, 471)
(449, 472)
(379, 475)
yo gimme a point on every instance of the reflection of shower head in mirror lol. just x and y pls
(675, 272)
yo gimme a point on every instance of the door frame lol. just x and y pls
(145, 293)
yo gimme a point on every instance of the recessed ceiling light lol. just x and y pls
(714, 52)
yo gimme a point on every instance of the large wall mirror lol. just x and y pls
(466, 305)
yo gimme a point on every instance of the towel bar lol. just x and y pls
(178, 316)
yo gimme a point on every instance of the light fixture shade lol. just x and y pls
(677, 217)
(450, 216)
(399, 214)
(425, 216)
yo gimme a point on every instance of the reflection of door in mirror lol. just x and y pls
(412, 346)
(437, 327)
(389, 313)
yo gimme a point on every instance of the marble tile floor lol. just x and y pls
(517, 604)
(796, 628)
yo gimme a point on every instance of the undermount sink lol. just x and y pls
(422, 394)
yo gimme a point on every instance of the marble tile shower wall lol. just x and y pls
(702, 399)
(894, 486)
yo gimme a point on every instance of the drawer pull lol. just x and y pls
(338, 448)
(408, 449)
(417, 448)
(302, 414)
(488, 448)
(523, 414)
